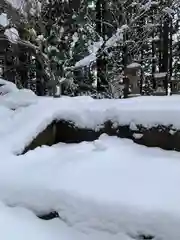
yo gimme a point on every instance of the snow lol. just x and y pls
(149, 4)
(75, 39)
(137, 135)
(86, 60)
(16, 223)
(12, 34)
(147, 111)
(93, 49)
(4, 20)
(21, 98)
(113, 41)
(6, 87)
(12, 97)
(160, 75)
(107, 189)
(134, 65)
(16, 3)
(169, 11)
(118, 37)
(94, 188)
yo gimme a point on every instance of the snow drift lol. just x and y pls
(13, 98)
(110, 185)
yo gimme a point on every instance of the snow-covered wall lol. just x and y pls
(85, 112)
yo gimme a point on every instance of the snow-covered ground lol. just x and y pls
(19, 224)
(107, 189)
(110, 186)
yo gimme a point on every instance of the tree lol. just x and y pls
(64, 36)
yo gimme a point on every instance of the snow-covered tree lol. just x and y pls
(61, 37)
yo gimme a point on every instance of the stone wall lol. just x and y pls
(47, 137)
(66, 132)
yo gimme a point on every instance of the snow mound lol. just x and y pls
(123, 189)
(12, 97)
(7, 87)
(20, 98)
(85, 112)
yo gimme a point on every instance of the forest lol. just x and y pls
(105, 49)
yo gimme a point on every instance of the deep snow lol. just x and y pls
(19, 224)
(107, 189)
(110, 185)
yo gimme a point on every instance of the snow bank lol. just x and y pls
(20, 98)
(7, 87)
(12, 97)
(89, 113)
(86, 112)
(110, 185)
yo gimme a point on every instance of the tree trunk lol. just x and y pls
(153, 54)
(101, 62)
(171, 51)
(165, 60)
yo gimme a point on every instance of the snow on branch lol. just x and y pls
(12, 34)
(26, 7)
(169, 11)
(134, 65)
(93, 49)
(117, 37)
(17, 4)
(149, 4)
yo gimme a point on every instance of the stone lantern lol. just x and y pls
(132, 72)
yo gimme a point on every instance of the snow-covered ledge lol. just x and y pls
(84, 119)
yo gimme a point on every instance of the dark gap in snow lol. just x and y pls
(147, 237)
(67, 132)
(142, 237)
(49, 216)
(164, 137)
